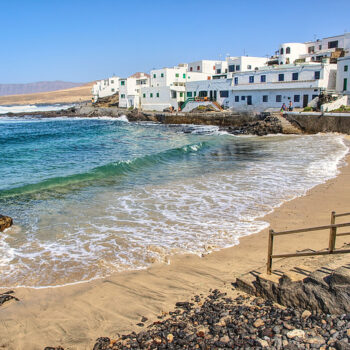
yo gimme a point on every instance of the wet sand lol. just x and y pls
(74, 316)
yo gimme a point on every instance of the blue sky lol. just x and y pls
(83, 40)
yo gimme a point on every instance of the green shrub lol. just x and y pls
(308, 109)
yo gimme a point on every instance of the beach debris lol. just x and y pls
(53, 348)
(220, 322)
(7, 296)
(5, 222)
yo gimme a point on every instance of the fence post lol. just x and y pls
(269, 252)
(332, 234)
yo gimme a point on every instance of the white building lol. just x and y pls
(130, 90)
(343, 76)
(270, 87)
(244, 64)
(104, 88)
(314, 51)
(203, 66)
(167, 87)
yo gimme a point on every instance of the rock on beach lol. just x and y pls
(5, 222)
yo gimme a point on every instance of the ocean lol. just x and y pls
(91, 197)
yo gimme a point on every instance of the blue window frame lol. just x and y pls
(263, 78)
(295, 76)
(281, 77)
(236, 98)
(251, 79)
(236, 80)
(317, 75)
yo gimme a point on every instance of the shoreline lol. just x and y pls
(75, 315)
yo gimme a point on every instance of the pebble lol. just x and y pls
(219, 322)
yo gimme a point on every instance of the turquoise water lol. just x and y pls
(91, 197)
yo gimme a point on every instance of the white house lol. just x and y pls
(244, 63)
(270, 87)
(343, 76)
(167, 87)
(130, 90)
(204, 66)
(106, 87)
(314, 51)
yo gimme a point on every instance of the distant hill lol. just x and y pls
(75, 94)
(40, 86)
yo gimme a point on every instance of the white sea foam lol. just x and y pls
(33, 108)
(131, 228)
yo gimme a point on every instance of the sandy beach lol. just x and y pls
(77, 94)
(74, 316)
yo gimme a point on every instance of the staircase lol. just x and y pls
(287, 127)
(321, 284)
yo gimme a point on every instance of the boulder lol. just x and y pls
(5, 222)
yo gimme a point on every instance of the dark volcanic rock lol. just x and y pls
(220, 322)
(7, 296)
(5, 222)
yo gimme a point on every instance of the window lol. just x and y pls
(243, 98)
(287, 50)
(112, 81)
(281, 51)
(177, 75)
(296, 98)
(189, 94)
(154, 75)
(181, 94)
(249, 66)
(281, 77)
(251, 79)
(238, 67)
(295, 76)
(317, 75)
(231, 68)
(188, 77)
(198, 67)
(203, 94)
(173, 94)
(162, 75)
(191, 69)
(249, 100)
(224, 93)
(194, 94)
(320, 47)
(236, 80)
(333, 44)
(218, 71)
(236, 98)
(265, 98)
(345, 84)
(122, 82)
(144, 95)
(184, 75)
(122, 96)
(346, 68)
(157, 94)
(263, 78)
(279, 98)
(112, 90)
(311, 49)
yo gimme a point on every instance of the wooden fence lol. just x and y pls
(331, 245)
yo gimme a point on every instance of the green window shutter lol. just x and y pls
(151, 95)
(181, 94)
(122, 82)
(162, 75)
(184, 76)
(157, 94)
(194, 94)
(144, 95)
(177, 75)
(154, 75)
(189, 93)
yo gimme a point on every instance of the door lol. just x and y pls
(345, 84)
(249, 100)
(215, 95)
(305, 100)
(211, 95)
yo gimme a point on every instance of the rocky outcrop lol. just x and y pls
(319, 292)
(5, 222)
